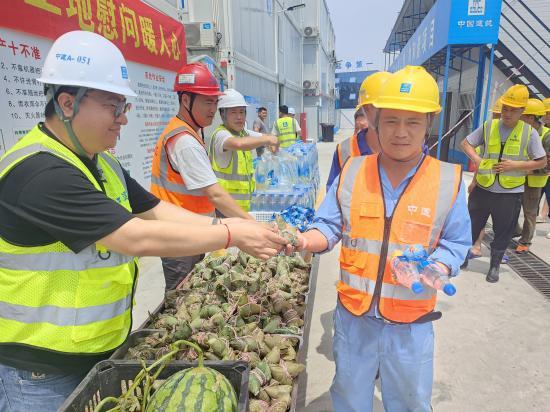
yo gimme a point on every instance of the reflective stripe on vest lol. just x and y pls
(237, 178)
(536, 180)
(348, 148)
(515, 148)
(166, 182)
(55, 299)
(418, 218)
(286, 132)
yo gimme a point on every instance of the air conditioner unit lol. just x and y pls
(311, 31)
(200, 34)
(310, 84)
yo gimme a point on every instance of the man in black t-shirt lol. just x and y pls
(71, 220)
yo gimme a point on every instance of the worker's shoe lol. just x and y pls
(496, 258)
(522, 249)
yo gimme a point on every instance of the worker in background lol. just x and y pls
(360, 121)
(384, 203)
(364, 141)
(229, 149)
(544, 214)
(546, 117)
(285, 128)
(475, 251)
(181, 173)
(259, 127)
(67, 239)
(537, 179)
(292, 113)
(512, 148)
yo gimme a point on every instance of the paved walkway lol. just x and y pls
(492, 344)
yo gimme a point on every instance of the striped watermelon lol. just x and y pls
(196, 389)
(199, 389)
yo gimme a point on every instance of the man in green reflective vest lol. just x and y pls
(230, 148)
(511, 149)
(285, 128)
(536, 180)
(72, 220)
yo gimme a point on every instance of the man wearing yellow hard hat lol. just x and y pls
(545, 209)
(537, 179)
(511, 149)
(475, 251)
(384, 203)
(546, 117)
(365, 141)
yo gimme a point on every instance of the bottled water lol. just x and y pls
(435, 276)
(406, 273)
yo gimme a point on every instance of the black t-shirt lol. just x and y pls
(44, 200)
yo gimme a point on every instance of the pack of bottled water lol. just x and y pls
(287, 178)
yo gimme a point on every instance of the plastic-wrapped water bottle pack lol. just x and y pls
(288, 178)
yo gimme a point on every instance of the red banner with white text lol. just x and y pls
(143, 34)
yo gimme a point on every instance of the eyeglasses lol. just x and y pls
(121, 107)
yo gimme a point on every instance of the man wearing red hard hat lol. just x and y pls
(181, 172)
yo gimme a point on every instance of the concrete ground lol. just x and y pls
(492, 343)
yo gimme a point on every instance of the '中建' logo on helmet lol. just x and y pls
(405, 88)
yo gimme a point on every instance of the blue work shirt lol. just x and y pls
(335, 168)
(456, 237)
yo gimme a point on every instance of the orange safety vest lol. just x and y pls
(166, 182)
(348, 148)
(369, 238)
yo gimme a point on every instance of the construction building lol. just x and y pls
(476, 49)
(273, 51)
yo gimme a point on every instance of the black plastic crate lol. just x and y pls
(113, 377)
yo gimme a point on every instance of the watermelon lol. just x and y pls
(199, 389)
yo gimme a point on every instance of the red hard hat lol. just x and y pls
(196, 78)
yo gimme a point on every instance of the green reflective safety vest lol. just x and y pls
(286, 132)
(53, 298)
(515, 148)
(238, 177)
(538, 180)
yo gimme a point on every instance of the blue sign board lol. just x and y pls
(451, 22)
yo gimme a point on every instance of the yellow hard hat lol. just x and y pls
(370, 88)
(411, 88)
(547, 104)
(535, 107)
(497, 107)
(515, 96)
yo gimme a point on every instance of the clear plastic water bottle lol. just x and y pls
(260, 201)
(435, 276)
(254, 202)
(406, 273)
(260, 175)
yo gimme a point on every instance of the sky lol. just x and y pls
(362, 28)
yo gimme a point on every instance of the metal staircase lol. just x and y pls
(523, 49)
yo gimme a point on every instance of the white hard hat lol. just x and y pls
(291, 110)
(85, 59)
(231, 98)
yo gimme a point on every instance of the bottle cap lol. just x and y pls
(417, 287)
(449, 289)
